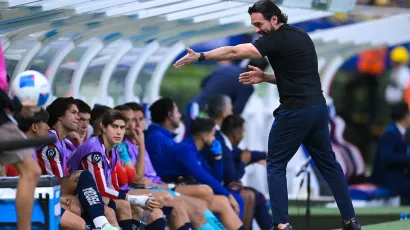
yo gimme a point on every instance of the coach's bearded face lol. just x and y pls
(262, 26)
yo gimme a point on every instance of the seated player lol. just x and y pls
(98, 156)
(130, 148)
(80, 135)
(96, 115)
(159, 138)
(36, 126)
(183, 164)
(235, 160)
(232, 132)
(96, 118)
(220, 107)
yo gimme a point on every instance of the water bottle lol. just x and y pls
(144, 219)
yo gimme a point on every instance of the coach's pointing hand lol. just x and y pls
(189, 58)
(254, 76)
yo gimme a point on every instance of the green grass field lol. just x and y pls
(359, 211)
(370, 218)
(396, 225)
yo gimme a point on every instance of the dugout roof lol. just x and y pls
(143, 38)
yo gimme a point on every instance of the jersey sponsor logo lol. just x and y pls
(96, 158)
(51, 153)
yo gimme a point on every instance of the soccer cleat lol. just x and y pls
(352, 225)
(109, 227)
(288, 227)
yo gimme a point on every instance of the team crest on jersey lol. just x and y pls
(51, 153)
(96, 158)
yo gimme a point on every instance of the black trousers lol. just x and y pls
(290, 129)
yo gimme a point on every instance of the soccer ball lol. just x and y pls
(31, 88)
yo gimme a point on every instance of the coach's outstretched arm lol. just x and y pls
(242, 51)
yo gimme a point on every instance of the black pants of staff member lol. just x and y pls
(290, 129)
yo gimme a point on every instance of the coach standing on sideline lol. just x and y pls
(302, 116)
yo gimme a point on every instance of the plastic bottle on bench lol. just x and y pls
(144, 219)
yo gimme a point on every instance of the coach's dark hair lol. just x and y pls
(25, 123)
(232, 123)
(97, 112)
(161, 109)
(135, 106)
(58, 108)
(268, 9)
(122, 108)
(112, 115)
(399, 111)
(201, 125)
(216, 105)
(82, 106)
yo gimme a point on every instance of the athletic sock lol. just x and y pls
(167, 211)
(88, 221)
(189, 226)
(213, 221)
(135, 224)
(183, 227)
(206, 226)
(158, 224)
(126, 224)
(90, 199)
(186, 226)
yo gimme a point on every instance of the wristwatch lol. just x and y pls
(201, 57)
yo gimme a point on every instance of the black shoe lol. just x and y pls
(353, 225)
(288, 227)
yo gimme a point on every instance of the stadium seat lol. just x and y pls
(370, 195)
(368, 192)
(347, 154)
